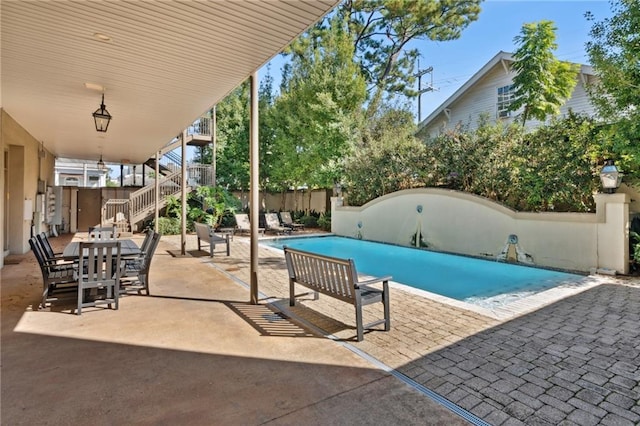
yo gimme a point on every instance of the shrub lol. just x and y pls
(552, 168)
(169, 225)
(324, 222)
(309, 221)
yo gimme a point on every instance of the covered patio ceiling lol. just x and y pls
(161, 63)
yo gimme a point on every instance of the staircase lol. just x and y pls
(126, 214)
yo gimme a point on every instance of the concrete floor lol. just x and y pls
(194, 352)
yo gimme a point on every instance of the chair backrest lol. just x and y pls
(147, 240)
(151, 249)
(285, 217)
(272, 220)
(100, 262)
(102, 233)
(242, 220)
(45, 245)
(37, 251)
(203, 231)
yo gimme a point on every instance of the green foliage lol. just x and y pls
(324, 222)
(635, 244)
(169, 225)
(550, 169)
(614, 53)
(232, 155)
(543, 83)
(479, 162)
(213, 203)
(388, 159)
(554, 168)
(381, 31)
(173, 207)
(309, 221)
(315, 118)
(205, 205)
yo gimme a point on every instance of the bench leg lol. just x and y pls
(359, 326)
(385, 302)
(228, 246)
(292, 293)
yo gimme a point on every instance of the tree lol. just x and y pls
(614, 53)
(542, 83)
(381, 31)
(316, 116)
(233, 140)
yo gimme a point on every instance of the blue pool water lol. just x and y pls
(458, 277)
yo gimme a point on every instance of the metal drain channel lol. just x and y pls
(456, 409)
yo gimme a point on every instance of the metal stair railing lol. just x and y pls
(171, 159)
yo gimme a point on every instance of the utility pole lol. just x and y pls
(429, 87)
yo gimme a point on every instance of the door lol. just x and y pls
(89, 205)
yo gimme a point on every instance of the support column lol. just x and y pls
(214, 141)
(612, 214)
(183, 193)
(157, 187)
(254, 206)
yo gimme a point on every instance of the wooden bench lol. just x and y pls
(337, 278)
(206, 235)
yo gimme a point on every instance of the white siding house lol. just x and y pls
(488, 92)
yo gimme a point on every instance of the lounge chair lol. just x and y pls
(285, 217)
(243, 224)
(273, 224)
(206, 235)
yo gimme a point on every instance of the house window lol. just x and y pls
(506, 95)
(71, 181)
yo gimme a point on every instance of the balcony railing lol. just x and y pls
(201, 126)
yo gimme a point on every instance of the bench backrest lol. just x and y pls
(333, 276)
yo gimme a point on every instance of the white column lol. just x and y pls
(254, 207)
(612, 214)
(157, 186)
(183, 193)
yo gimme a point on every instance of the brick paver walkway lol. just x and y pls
(576, 361)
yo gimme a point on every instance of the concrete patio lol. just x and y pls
(196, 352)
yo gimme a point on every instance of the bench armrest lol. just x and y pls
(374, 280)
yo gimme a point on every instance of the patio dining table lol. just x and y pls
(128, 248)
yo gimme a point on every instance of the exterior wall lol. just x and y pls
(457, 222)
(28, 162)
(482, 98)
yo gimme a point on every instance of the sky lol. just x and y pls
(454, 62)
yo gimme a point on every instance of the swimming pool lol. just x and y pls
(458, 277)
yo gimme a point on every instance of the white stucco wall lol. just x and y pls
(457, 222)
